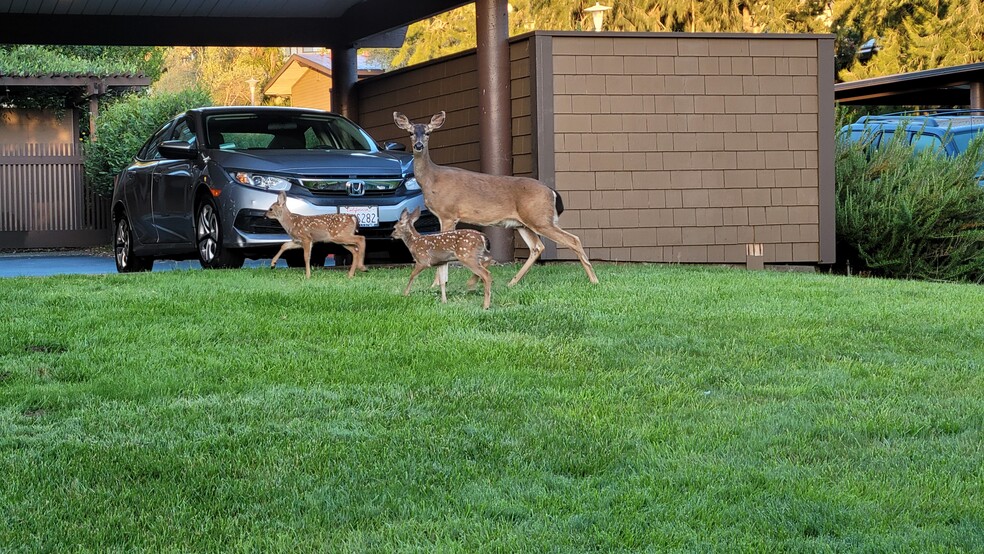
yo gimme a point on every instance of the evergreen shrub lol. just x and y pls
(124, 126)
(910, 215)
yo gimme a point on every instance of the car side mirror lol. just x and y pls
(399, 147)
(178, 150)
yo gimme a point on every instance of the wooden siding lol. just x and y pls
(313, 90)
(43, 202)
(687, 148)
(449, 84)
(665, 147)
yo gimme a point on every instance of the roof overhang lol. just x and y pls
(945, 86)
(328, 23)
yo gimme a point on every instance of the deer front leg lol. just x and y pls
(307, 244)
(444, 281)
(413, 275)
(446, 225)
(286, 246)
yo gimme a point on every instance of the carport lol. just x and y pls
(342, 26)
(959, 85)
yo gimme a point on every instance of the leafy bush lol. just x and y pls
(910, 215)
(124, 126)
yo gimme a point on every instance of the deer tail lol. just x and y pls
(558, 203)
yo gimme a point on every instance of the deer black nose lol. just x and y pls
(418, 146)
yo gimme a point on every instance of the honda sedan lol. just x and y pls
(200, 186)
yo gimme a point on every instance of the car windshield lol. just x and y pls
(283, 131)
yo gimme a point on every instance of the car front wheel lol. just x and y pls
(126, 262)
(208, 232)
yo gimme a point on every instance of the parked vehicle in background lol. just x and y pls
(946, 132)
(201, 185)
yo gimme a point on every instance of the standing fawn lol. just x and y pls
(454, 194)
(465, 245)
(305, 230)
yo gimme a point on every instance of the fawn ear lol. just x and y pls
(415, 214)
(403, 215)
(437, 120)
(282, 198)
(401, 121)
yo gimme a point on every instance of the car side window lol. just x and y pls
(184, 132)
(150, 149)
(925, 141)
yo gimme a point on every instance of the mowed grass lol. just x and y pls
(670, 408)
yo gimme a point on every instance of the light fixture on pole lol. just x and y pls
(598, 14)
(252, 89)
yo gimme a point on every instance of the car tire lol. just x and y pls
(212, 254)
(126, 261)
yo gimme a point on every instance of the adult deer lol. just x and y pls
(305, 230)
(454, 194)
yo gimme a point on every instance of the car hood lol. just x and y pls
(316, 162)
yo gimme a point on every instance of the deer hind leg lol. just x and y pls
(536, 247)
(479, 271)
(571, 241)
(286, 246)
(357, 246)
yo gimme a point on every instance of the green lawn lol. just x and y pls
(670, 408)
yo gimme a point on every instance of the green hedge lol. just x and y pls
(124, 126)
(913, 216)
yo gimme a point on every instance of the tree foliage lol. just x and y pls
(454, 31)
(224, 72)
(125, 125)
(912, 35)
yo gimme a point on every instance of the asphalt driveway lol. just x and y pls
(39, 264)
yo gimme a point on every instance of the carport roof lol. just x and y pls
(945, 86)
(331, 23)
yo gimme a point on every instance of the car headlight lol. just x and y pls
(260, 181)
(411, 183)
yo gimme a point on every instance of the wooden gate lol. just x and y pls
(43, 203)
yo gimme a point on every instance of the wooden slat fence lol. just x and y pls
(43, 203)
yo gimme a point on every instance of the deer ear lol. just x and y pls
(401, 121)
(415, 214)
(282, 198)
(437, 120)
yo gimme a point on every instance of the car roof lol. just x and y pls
(209, 110)
(951, 120)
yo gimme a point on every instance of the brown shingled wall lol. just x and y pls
(687, 148)
(665, 147)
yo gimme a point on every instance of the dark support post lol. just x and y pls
(494, 106)
(977, 96)
(344, 74)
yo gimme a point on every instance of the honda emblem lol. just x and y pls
(356, 188)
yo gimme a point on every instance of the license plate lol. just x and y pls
(368, 215)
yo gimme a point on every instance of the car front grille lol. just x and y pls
(336, 186)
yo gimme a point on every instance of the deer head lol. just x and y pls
(279, 208)
(419, 132)
(404, 227)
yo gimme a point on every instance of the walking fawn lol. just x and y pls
(305, 230)
(454, 194)
(465, 245)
